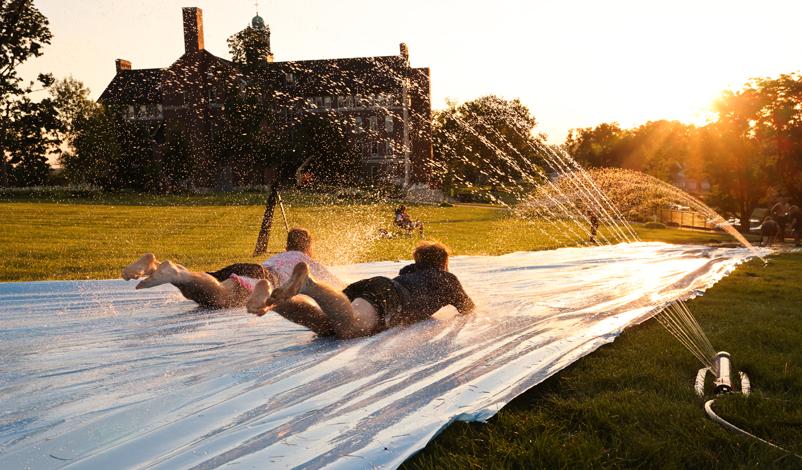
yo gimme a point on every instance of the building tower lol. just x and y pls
(262, 32)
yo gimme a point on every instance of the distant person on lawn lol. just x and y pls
(404, 221)
(232, 285)
(769, 231)
(795, 214)
(779, 212)
(368, 306)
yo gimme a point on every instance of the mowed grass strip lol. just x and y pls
(46, 241)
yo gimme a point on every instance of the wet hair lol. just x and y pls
(299, 239)
(431, 255)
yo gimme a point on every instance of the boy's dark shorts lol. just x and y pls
(382, 293)
(254, 271)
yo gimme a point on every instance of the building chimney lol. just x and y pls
(122, 64)
(404, 52)
(193, 29)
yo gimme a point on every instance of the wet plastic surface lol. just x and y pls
(98, 375)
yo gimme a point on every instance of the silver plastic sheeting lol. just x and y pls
(98, 375)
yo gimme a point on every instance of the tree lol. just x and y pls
(599, 147)
(660, 149)
(737, 169)
(26, 127)
(176, 167)
(489, 144)
(251, 46)
(95, 150)
(771, 112)
(321, 146)
(73, 106)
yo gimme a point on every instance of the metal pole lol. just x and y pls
(283, 213)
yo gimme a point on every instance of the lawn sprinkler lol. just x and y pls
(722, 385)
(722, 370)
(722, 363)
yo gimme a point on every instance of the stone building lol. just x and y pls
(384, 100)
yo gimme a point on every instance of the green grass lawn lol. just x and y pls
(80, 240)
(629, 404)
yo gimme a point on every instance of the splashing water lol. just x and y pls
(573, 206)
(562, 200)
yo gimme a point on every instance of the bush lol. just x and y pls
(472, 195)
(654, 225)
(672, 224)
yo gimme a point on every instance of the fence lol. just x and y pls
(685, 218)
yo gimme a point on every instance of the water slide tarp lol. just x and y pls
(98, 375)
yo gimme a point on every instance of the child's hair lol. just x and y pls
(299, 239)
(431, 255)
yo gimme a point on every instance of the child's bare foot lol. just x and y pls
(257, 302)
(165, 273)
(141, 267)
(300, 273)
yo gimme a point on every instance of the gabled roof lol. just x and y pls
(140, 86)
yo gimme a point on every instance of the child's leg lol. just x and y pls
(338, 314)
(145, 265)
(198, 286)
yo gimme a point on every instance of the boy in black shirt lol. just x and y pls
(372, 305)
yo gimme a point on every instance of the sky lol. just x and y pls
(574, 63)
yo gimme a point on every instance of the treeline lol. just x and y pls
(751, 155)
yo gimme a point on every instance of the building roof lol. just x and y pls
(328, 76)
(311, 77)
(134, 86)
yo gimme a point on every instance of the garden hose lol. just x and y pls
(712, 415)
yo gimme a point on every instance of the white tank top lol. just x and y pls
(283, 264)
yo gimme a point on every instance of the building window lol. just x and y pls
(130, 113)
(374, 149)
(358, 101)
(388, 148)
(318, 102)
(341, 102)
(289, 77)
(358, 123)
(327, 102)
(372, 123)
(388, 123)
(349, 101)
